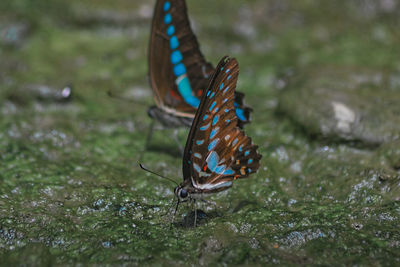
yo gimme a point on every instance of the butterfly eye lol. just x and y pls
(183, 193)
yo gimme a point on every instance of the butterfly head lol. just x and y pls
(181, 193)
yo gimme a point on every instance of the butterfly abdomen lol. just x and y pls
(168, 120)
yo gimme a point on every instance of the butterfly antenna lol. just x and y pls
(159, 175)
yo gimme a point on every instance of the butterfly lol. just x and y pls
(217, 151)
(179, 74)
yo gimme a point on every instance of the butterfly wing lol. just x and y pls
(178, 71)
(217, 150)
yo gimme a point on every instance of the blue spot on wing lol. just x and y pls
(250, 161)
(240, 114)
(235, 141)
(205, 127)
(186, 91)
(199, 142)
(220, 169)
(212, 161)
(212, 105)
(212, 145)
(196, 167)
(247, 153)
(214, 132)
(223, 170)
(176, 57)
(167, 6)
(179, 70)
(170, 30)
(215, 120)
(167, 18)
(229, 172)
(173, 43)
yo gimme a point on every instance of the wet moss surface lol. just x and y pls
(70, 187)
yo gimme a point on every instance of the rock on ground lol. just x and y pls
(345, 103)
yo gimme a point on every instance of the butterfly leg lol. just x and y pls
(176, 209)
(195, 213)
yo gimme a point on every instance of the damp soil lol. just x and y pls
(321, 77)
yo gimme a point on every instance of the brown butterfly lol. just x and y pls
(217, 151)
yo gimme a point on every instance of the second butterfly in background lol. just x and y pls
(179, 74)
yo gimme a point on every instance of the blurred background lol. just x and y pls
(323, 78)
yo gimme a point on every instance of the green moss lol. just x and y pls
(70, 187)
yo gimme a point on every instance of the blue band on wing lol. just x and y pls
(186, 91)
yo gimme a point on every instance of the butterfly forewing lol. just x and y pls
(179, 73)
(217, 151)
(178, 70)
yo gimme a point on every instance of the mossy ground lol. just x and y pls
(70, 187)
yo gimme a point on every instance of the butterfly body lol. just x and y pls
(186, 191)
(179, 73)
(217, 151)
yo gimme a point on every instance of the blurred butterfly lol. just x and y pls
(178, 71)
(217, 151)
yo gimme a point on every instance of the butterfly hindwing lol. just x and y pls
(217, 150)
